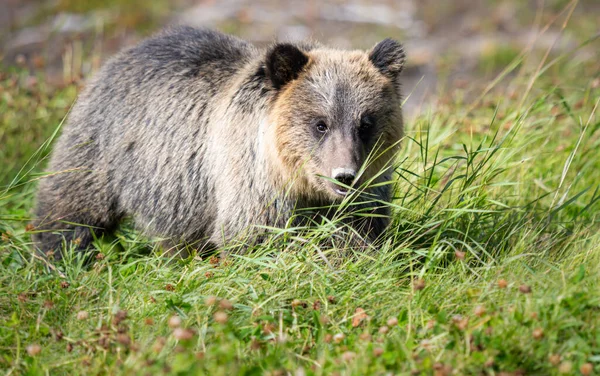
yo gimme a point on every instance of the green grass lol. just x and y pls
(30, 110)
(491, 264)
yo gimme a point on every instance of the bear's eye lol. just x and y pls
(321, 127)
(366, 122)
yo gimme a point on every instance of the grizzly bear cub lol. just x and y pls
(203, 138)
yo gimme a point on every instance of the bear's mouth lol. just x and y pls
(338, 190)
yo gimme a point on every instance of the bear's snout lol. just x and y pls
(346, 177)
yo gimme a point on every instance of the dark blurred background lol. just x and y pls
(48, 47)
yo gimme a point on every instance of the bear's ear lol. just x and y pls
(388, 56)
(284, 63)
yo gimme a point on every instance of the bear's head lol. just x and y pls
(336, 115)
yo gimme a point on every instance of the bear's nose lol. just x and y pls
(344, 175)
(345, 179)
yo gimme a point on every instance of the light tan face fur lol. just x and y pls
(340, 110)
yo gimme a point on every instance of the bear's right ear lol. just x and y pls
(284, 63)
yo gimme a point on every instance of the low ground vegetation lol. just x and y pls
(491, 265)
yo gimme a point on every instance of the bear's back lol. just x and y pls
(186, 51)
(174, 65)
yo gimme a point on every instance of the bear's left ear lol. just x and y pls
(388, 56)
(284, 63)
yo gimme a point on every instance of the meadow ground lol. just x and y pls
(491, 265)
